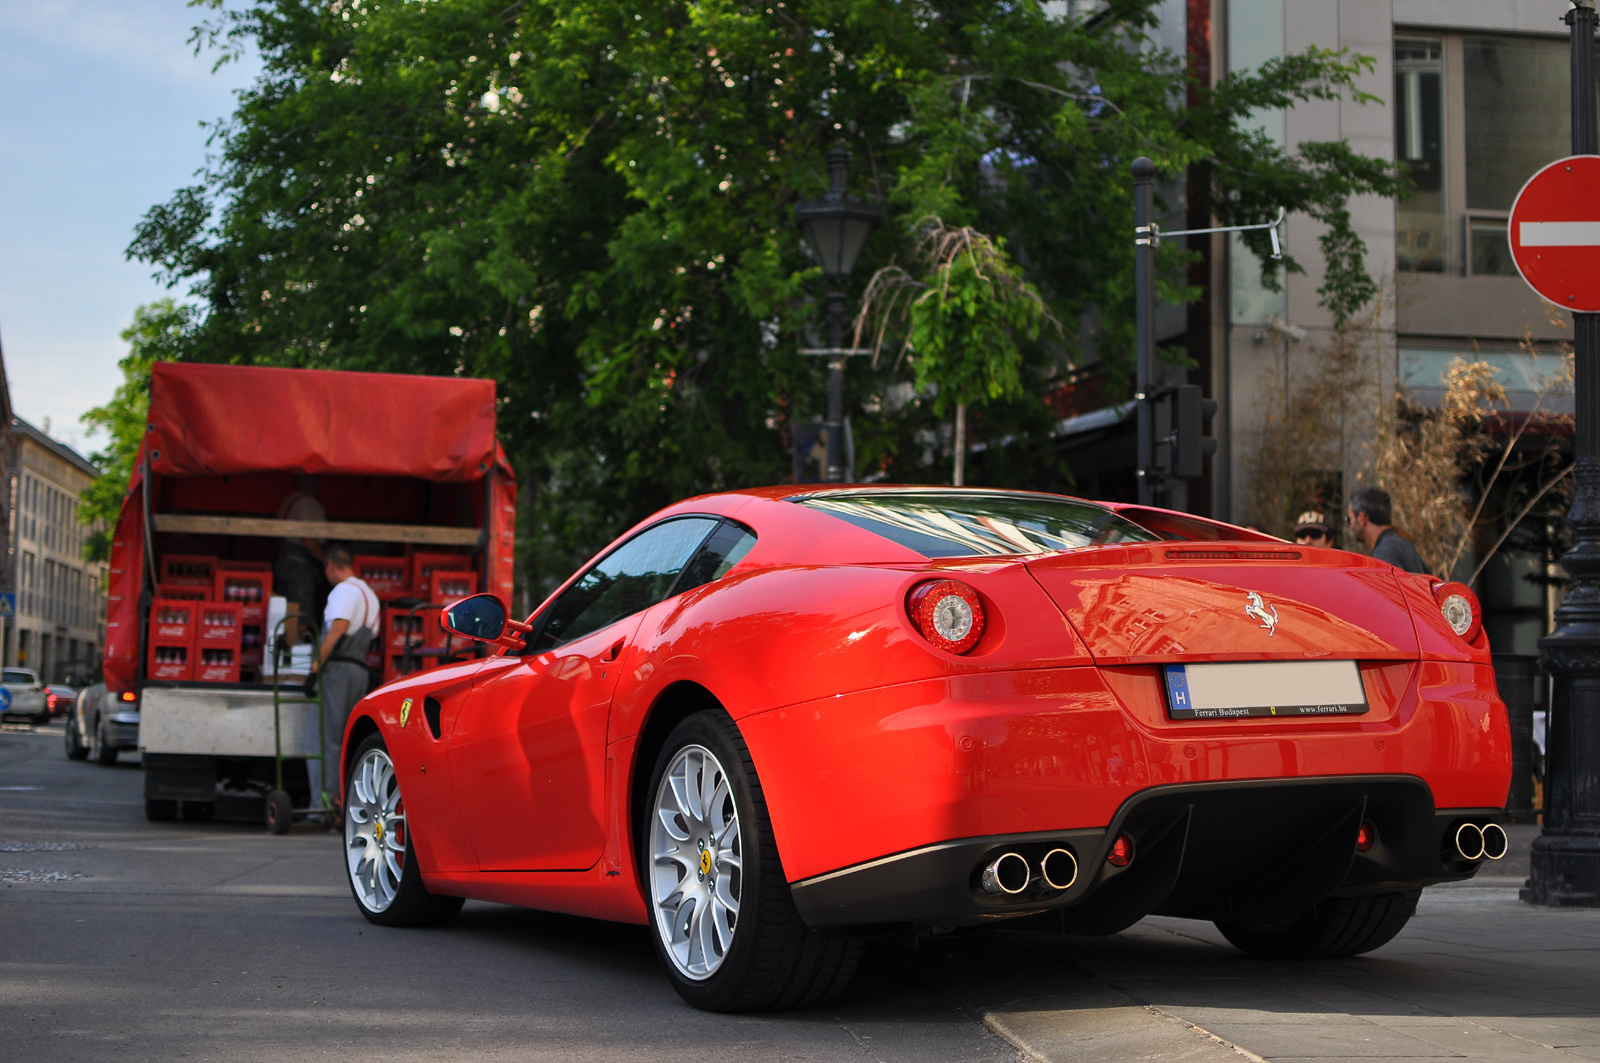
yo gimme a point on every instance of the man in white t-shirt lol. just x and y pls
(350, 622)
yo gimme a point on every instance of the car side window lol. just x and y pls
(723, 549)
(633, 577)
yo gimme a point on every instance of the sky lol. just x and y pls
(100, 109)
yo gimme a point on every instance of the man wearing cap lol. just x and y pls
(1311, 529)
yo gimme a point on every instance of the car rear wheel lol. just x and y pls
(1336, 926)
(76, 750)
(160, 810)
(101, 751)
(726, 924)
(380, 857)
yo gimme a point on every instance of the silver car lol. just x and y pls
(101, 725)
(27, 695)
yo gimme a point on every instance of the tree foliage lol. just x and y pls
(592, 202)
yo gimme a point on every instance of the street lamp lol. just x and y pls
(836, 227)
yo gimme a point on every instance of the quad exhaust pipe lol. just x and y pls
(1011, 873)
(1488, 842)
(1007, 873)
(1059, 869)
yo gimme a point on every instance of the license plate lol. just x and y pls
(1264, 688)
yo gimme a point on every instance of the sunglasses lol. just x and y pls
(1309, 536)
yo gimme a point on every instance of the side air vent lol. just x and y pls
(1233, 555)
(431, 709)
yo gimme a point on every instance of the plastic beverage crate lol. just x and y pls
(170, 661)
(423, 566)
(191, 569)
(184, 592)
(217, 664)
(389, 577)
(247, 588)
(173, 622)
(220, 625)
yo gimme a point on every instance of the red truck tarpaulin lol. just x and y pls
(225, 420)
(221, 420)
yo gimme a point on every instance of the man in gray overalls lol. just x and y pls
(350, 622)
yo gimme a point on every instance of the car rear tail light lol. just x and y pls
(128, 695)
(50, 701)
(948, 614)
(1460, 608)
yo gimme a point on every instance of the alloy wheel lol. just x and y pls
(696, 864)
(375, 831)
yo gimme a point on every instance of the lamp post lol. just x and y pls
(836, 227)
(1565, 864)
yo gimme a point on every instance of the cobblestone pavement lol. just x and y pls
(128, 940)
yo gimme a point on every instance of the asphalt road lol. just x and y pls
(121, 939)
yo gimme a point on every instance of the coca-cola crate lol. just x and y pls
(446, 588)
(173, 621)
(190, 569)
(423, 566)
(171, 661)
(184, 592)
(402, 629)
(251, 644)
(247, 588)
(217, 664)
(220, 625)
(395, 665)
(389, 577)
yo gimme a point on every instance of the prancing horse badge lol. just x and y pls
(405, 711)
(1259, 610)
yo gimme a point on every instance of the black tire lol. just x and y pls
(199, 811)
(76, 750)
(100, 751)
(775, 961)
(280, 812)
(160, 810)
(1336, 926)
(413, 903)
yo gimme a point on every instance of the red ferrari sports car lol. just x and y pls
(773, 723)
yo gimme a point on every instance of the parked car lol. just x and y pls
(28, 697)
(59, 699)
(100, 727)
(771, 722)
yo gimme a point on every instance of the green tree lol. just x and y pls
(592, 202)
(158, 334)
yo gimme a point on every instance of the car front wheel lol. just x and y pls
(726, 925)
(380, 857)
(101, 751)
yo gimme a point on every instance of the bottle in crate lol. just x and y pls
(249, 589)
(423, 567)
(173, 622)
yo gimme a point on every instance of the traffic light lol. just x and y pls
(1191, 417)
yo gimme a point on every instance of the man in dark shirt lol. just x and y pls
(1371, 517)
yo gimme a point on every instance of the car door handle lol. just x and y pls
(612, 654)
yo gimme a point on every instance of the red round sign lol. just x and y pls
(1555, 232)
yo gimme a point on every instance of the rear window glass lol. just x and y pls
(17, 675)
(951, 524)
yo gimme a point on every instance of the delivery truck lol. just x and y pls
(408, 471)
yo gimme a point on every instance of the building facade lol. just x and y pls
(59, 627)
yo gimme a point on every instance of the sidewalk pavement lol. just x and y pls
(1476, 975)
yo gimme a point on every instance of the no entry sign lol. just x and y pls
(1555, 232)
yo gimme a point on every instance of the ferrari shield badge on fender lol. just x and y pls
(405, 711)
(1259, 610)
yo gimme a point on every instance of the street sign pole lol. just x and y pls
(1144, 295)
(1565, 865)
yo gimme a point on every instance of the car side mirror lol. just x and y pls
(481, 617)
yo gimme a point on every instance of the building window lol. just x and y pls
(1475, 116)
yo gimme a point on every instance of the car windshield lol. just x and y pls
(963, 524)
(18, 675)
